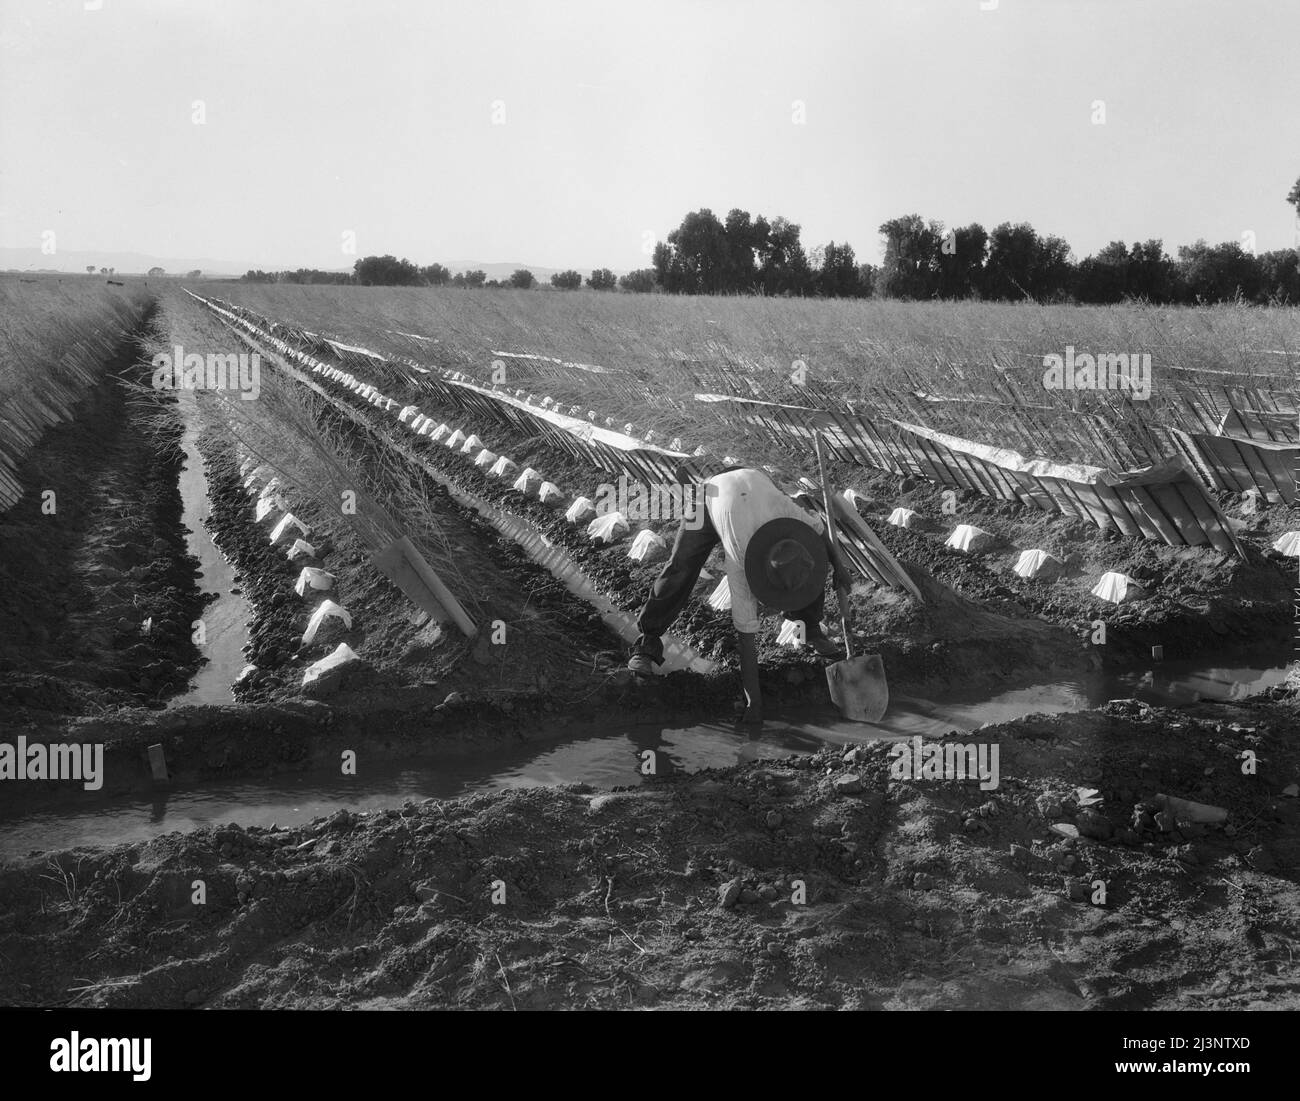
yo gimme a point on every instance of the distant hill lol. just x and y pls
(138, 263)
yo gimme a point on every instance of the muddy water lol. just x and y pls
(226, 619)
(604, 759)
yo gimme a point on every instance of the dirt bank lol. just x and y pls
(815, 881)
(97, 588)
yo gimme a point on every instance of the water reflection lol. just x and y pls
(603, 758)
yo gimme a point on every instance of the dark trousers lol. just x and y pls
(676, 581)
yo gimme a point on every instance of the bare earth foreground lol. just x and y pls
(814, 881)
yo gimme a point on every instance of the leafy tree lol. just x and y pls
(836, 271)
(387, 271)
(669, 271)
(1022, 264)
(602, 279)
(1280, 276)
(493, 283)
(1151, 272)
(700, 254)
(156, 271)
(435, 275)
(458, 280)
(475, 278)
(1294, 197)
(194, 274)
(747, 242)
(867, 276)
(522, 278)
(911, 263)
(1103, 278)
(90, 269)
(567, 280)
(962, 253)
(1217, 273)
(784, 268)
(641, 281)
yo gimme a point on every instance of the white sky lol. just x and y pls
(376, 116)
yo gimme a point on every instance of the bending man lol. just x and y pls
(775, 552)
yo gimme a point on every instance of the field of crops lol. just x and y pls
(432, 420)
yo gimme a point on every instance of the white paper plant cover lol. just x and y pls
(1118, 588)
(418, 421)
(549, 491)
(302, 549)
(1034, 562)
(406, 413)
(485, 458)
(439, 434)
(791, 634)
(340, 655)
(720, 599)
(647, 546)
(312, 578)
(472, 446)
(1288, 543)
(855, 499)
(503, 467)
(967, 537)
(266, 506)
(288, 521)
(270, 487)
(582, 510)
(327, 609)
(528, 481)
(902, 518)
(455, 439)
(629, 429)
(608, 528)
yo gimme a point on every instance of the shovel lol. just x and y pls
(857, 684)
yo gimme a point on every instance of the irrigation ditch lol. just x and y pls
(501, 842)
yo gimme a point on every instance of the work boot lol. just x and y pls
(643, 665)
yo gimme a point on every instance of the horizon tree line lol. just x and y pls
(922, 260)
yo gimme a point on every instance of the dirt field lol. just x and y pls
(816, 881)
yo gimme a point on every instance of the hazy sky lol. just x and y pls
(613, 119)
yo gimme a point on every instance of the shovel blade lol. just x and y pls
(858, 688)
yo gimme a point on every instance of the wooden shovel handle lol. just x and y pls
(833, 543)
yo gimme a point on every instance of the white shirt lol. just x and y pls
(739, 503)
